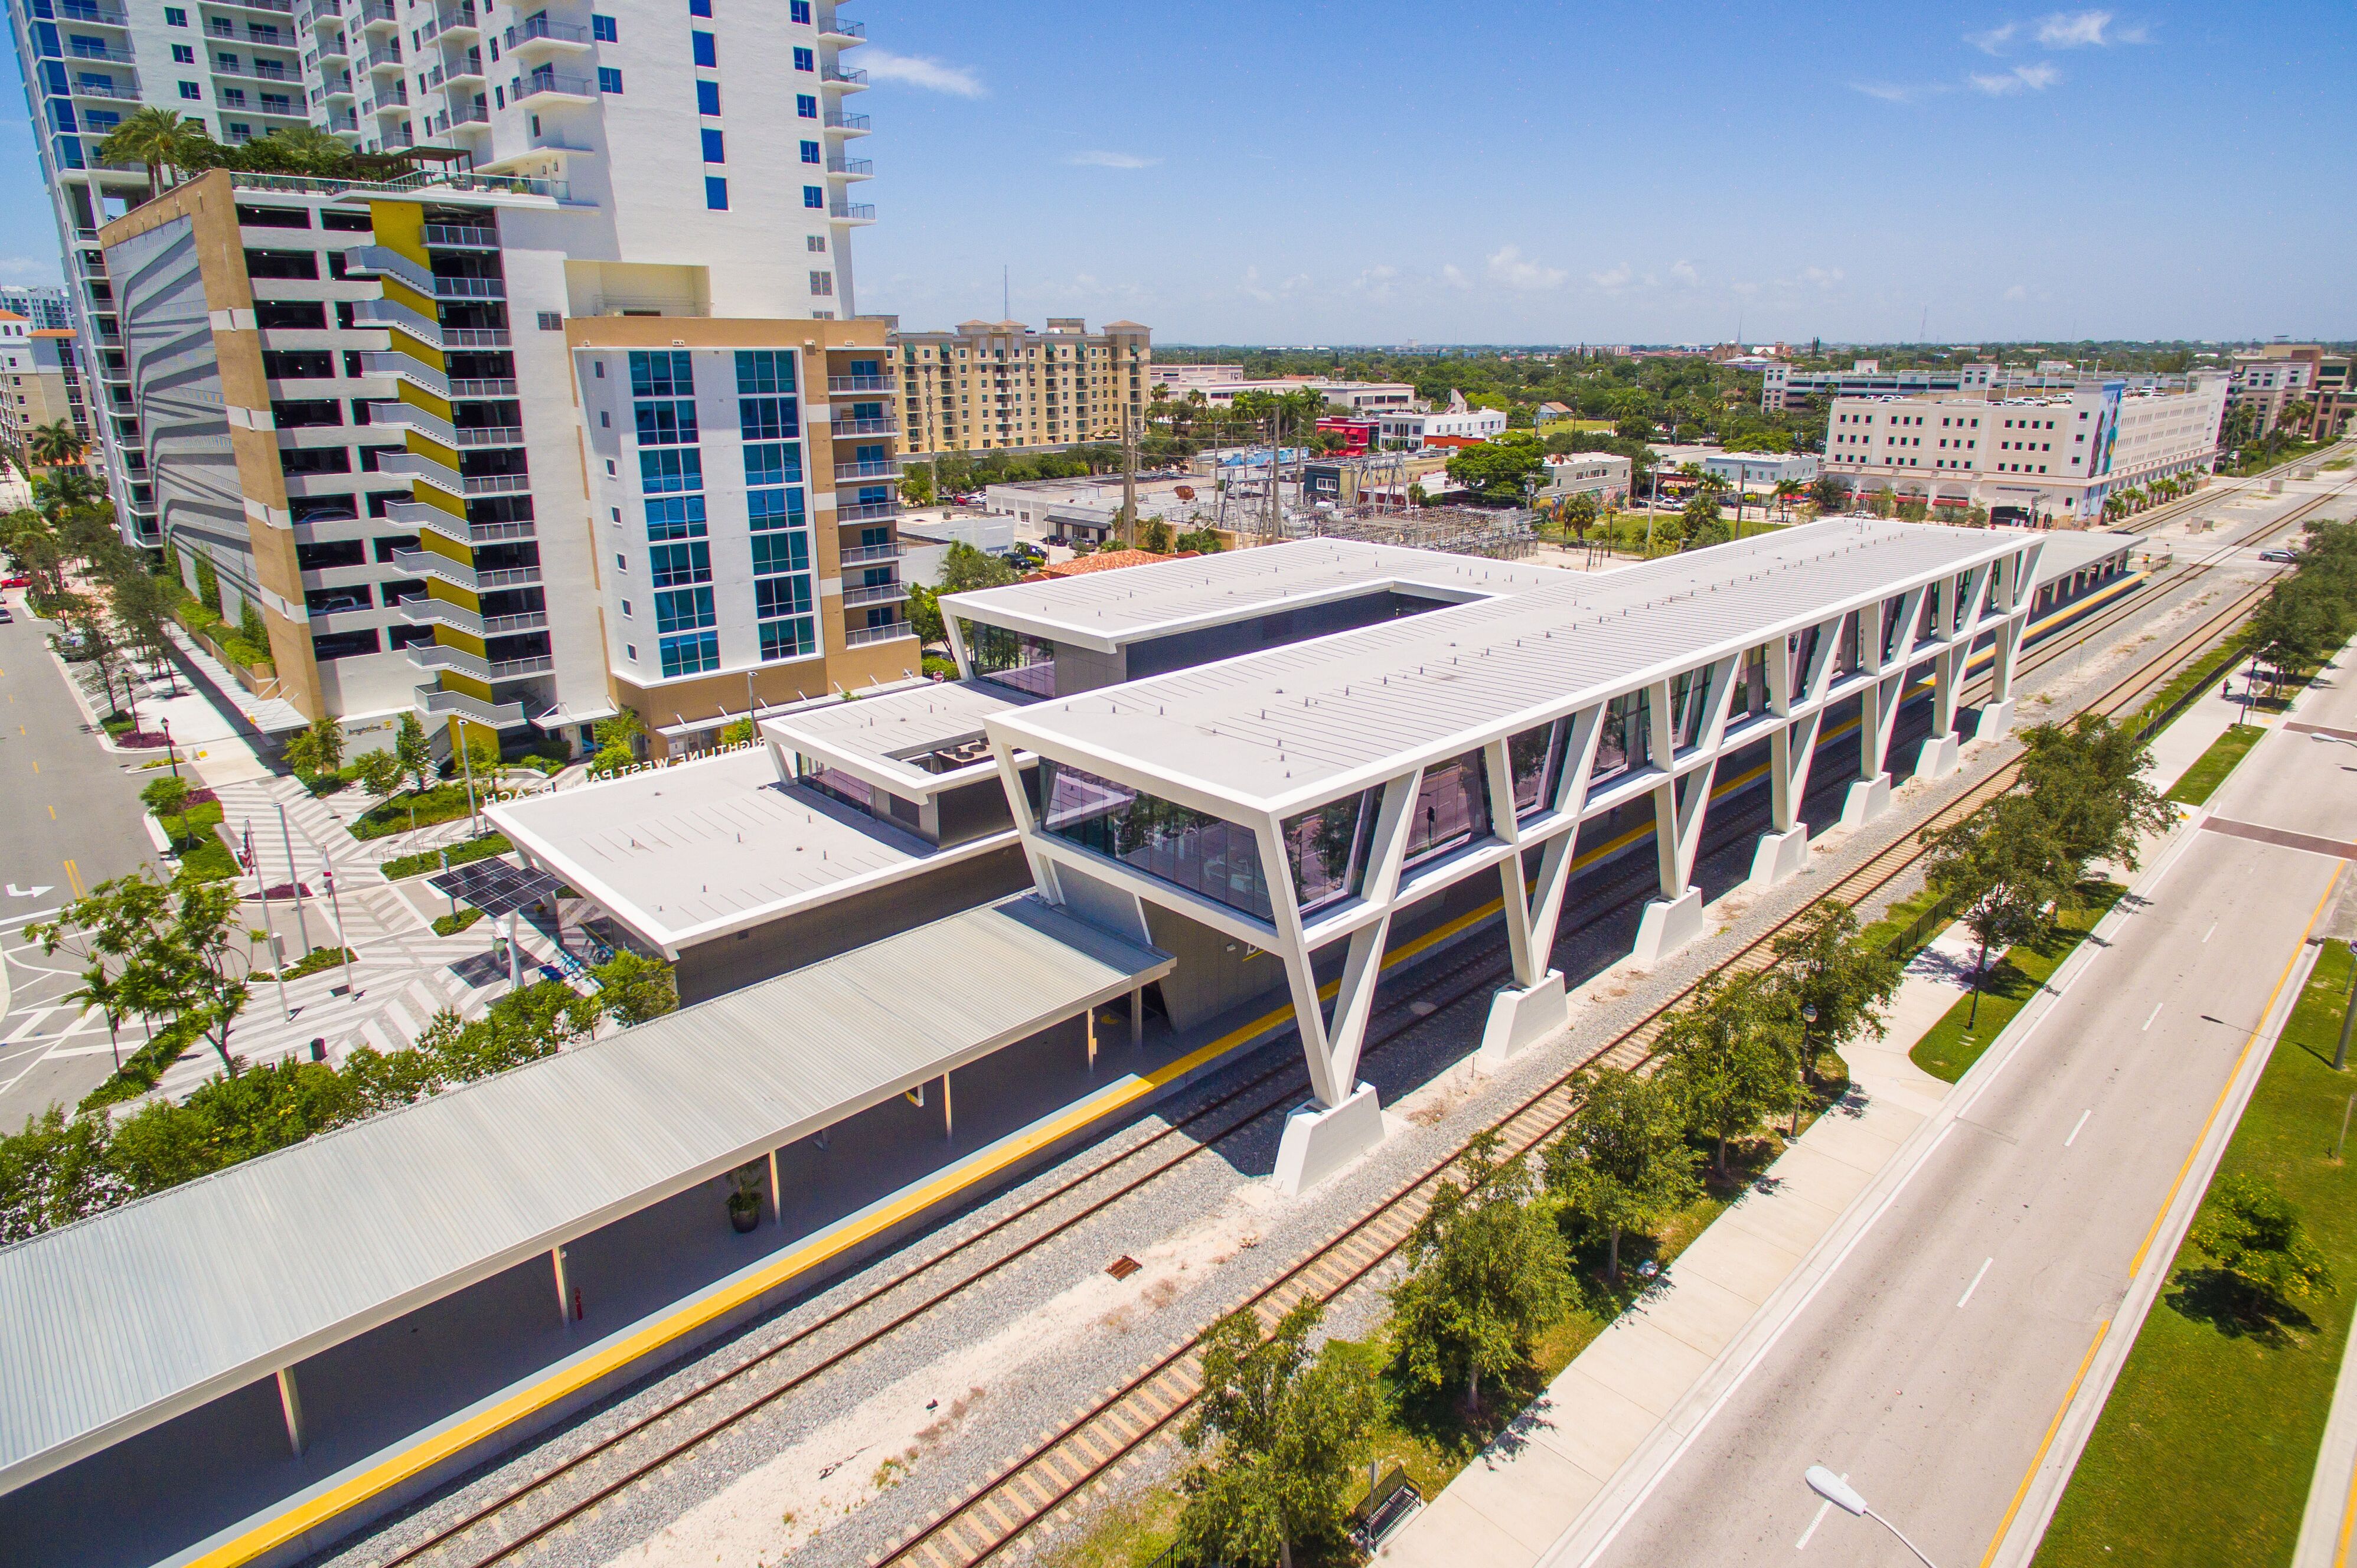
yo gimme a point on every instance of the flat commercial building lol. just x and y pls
(1458, 422)
(40, 381)
(2278, 381)
(2052, 457)
(1221, 385)
(1601, 474)
(992, 385)
(1762, 470)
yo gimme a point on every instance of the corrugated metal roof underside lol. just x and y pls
(2069, 550)
(1277, 723)
(114, 1324)
(1212, 589)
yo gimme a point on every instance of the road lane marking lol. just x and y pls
(2156, 1012)
(2348, 1518)
(2038, 1458)
(2211, 932)
(2077, 1126)
(1823, 1508)
(53, 813)
(1975, 1284)
(73, 879)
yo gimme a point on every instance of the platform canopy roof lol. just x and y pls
(115, 1324)
(1287, 727)
(887, 741)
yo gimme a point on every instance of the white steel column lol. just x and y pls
(1681, 805)
(1027, 825)
(1534, 1007)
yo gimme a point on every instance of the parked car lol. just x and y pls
(2288, 557)
(15, 582)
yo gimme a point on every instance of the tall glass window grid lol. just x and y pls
(670, 481)
(769, 418)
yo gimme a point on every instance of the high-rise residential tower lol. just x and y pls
(548, 428)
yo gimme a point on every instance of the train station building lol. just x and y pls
(932, 938)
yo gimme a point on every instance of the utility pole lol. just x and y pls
(1275, 470)
(1129, 438)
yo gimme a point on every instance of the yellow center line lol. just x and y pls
(2136, 1264)
(849, 1233)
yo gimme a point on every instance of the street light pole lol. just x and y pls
(1843, 1496)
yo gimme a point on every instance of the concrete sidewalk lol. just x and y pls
(1520, 1496)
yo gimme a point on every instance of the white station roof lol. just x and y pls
(882, 739)
(684, 854)
(1293, 725)
(117, 1323)
(1108, 610)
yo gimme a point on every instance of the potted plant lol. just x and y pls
(745, 1199)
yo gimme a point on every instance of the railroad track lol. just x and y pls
(2168, 511)
(547, 1500)
(1122, 1430)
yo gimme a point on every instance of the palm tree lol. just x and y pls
(56, 444)
(1787, 492)
(156, 137)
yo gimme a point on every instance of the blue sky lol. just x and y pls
(1525, 172)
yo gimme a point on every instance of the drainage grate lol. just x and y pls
(1121, 1268)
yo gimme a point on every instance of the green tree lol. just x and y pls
(250, 629)
(55, 1172)
(1735, 1056)
(168, 797)
(56, 443)
(2256, 1238)
(171, 946)
(1704, 524)
(1155, 536)
(634, 988)
(1499, 470)
(2088, 778)
(317, 749)
(1998, 868)
(1272, 1432)
(966, 570)
(208, 583)
(737, 732)
(414, 752)
(1839, 986)
(1624, 1164)
(380, 771)
(618, 741)
(1201, 541)
(159, 138)
(924, 612)
(1577, 514)
(1486, 1273)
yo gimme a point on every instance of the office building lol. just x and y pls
(2047, 458)
(2302, 386)
(1762, 470)
(1781, 387)
(1603, 476)
(524, 445)
(40, 381)
(999, 385)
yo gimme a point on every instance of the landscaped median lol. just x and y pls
(2201, 781)
(2205, 1449)
(1950, 1048)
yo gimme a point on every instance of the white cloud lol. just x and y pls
(1683, 272)
(1889, 91)
(28, 268)
(2020, 78)
(1994, 39)
(1509, 266)
(2080, 29)
(1454, 276)
(2016, 291)
(1098, 158)
(1618, 277)
(1824, 278)
(921, 70)
(1375, 282)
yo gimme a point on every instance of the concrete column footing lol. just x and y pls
(1320, 1141)
(1779, 857)
(1519, 1016)
(1668, 924)
(1994, 720)
(1867, 799)
(1938, 759)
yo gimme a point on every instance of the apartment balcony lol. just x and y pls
(405, 367)
(476, 338)
(842, 32)
(409, 416)
(479, 390)
(851, 169)
(275, 7)
(846, 124)
(435, 656)
(473, 114)
(490, 435)
(117, 91)
(394, 316)
(376, 14)
(104, 54)
(469, 288)
(867, 511)
(457, 20)
(550, 84)
(425, 470)
(319, 14)
(852, 211)
(259, 70)
(497, 484)
(859, 383)
(870, 555)
(875, 594)
(539, 33)
(423, 515)
(891, 632)
(884, 469)
(430, 563)
(92, 11)
(420, 610)
(436, 703)
(461, 237)
(385, 55)
(468, 70)
(888, 425)
(384, 261)
(843, 77)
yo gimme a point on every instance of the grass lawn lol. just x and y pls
(2204, 1452)
(451, 925)
(1427, 1431)
(202, 854)
(2210, 770)
(418, 864)
(1890, 933)
(441, 803)
(1950, 1048)
(2203, 671)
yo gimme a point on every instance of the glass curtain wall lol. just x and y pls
(1177, 845)
(1011, 658)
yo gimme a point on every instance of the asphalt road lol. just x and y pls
(1929, 1366)
(69, 819)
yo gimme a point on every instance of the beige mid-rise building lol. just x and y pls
(992, 385)
(40, 381)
